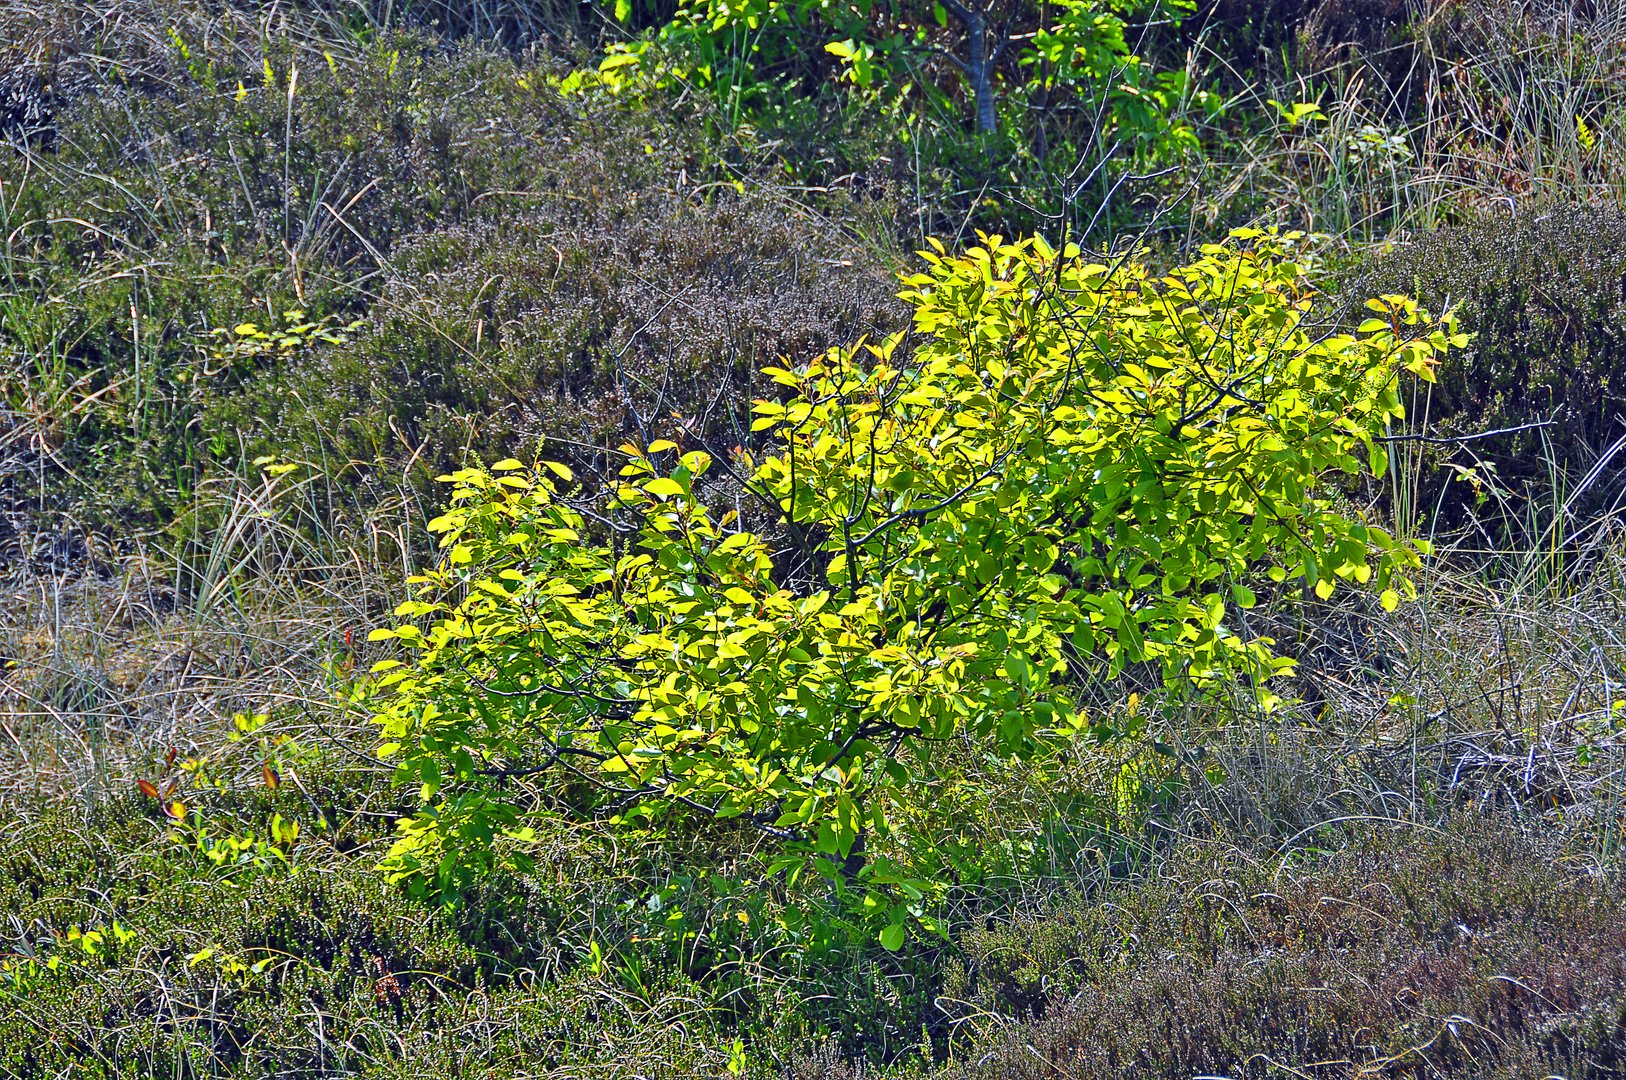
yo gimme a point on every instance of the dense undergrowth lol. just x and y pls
(269, 271)
(519, 263)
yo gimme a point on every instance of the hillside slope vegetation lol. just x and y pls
(985, 539)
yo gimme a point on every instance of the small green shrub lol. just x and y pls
(990, 111)
(1081, 470)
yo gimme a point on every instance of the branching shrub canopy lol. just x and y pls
(1082, 468)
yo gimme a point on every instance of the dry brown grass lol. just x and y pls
(114, 659)
(1431, 112)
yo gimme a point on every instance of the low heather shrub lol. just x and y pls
(1472, 951)
(531, 264)
(1544, 295)
(616, 310)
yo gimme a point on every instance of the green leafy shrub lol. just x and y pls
(1543, 294)
(1081, 469)
(1011, 99)
(1075, 47)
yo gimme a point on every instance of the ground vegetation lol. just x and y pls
(783, 539)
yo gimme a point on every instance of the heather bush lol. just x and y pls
(1543, 294)
(1407, 953)
(528, 262)
(618, 310)
(1378, 952)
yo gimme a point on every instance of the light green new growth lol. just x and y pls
(1080, 468)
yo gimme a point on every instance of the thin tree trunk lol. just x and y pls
(1041, 100)
(979, 64)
